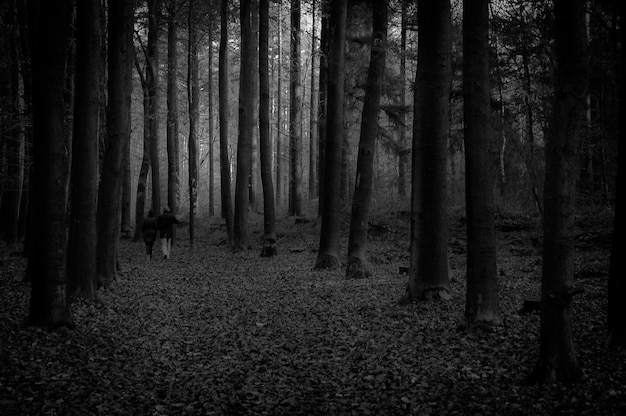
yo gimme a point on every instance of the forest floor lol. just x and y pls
(212, 332)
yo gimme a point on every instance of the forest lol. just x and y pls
(380, 207)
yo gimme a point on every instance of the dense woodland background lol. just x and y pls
(439, 125)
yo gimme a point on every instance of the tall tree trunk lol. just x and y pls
(172, 109)
(269, 209)
(142, 180)
(357, 256)
(313, 151)
(279, 114)
(120, 47)
(322, 106)
(253, 185)
(81, 265)
(244, 144)
(193, 93)
(227, 207)
(152, 79)
(49, 25)
(295, 114)
(616, 314)
(428, 272)
(481, 302)
(328, 254)
(403, 154)
(557, 359)
(126, 192)
(210, 94)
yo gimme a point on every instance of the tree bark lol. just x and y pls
(120, 47)
(142, 180)
(227, 208)
(428, 272)
(322, 109)
(81, 265)
(328, 253)
(295, 115)
(357, 256)
(313, 150)
(49, 25)
(279, 114)
(481, 301)
(616, 317)
(172, 110)
(152, 80)
(557, 360)
(211, 108)
(403, 155)
(244, 144)
(193, 94)
(269, 209)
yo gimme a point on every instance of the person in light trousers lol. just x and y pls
(165, 224)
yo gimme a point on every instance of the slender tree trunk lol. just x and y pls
(244, 144)
(481, 304)
(81, 265)
(253, 186)
(142, 180)
(295, 115)
(357, 256)
(126, 191)
(313, 151)
(49, 25)
(616, 318)
(227, 210)
(322, 107)
(211, 110)
(193, 93)
(120, 47)
(279, 114)
(403, 155)
(557, 360)
(152, 79)
(269, 210)
(172, 110)
(428, 272)
(328, 254)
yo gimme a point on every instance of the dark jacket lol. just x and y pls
(149, 228)
(165, 223)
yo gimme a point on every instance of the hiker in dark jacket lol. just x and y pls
(165, 224)
(149, 231)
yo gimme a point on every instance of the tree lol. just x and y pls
(328, 253)
(295, 114)
(357, 258)
(227, 208)
(152, 81)
(81, 247)
(557, 360)
(172, 108)
(49, 23)
(244, 144)
(269, 209)
(428, 271)
(322, 100)
(120, 49)
(193, 94)
(616, 314)
(211, 107)
(481, 302)
(279, 112)
(313, 150)
(403, 153)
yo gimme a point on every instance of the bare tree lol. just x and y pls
(295, 114)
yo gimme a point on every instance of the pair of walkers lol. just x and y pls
(164, 225)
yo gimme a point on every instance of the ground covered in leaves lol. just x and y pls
(211, 332)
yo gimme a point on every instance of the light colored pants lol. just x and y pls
(166, 245)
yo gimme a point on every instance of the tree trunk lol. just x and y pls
(481, 302)
(403, 155)
(142, 181)
(253, 185)
(357, 256)
(81, 265)
(313, 151)
(557, 359)
(227, 208)
(295, 114)
(211, 106)
(328, 254)
(172, 110)
(193, 94)
(49, 25)
(120, 47)
(269, 210)
(616, 318)
(322, 107)
(279, 114)
(244, 144)
(152, 79)
(428, 272)
(126, 191)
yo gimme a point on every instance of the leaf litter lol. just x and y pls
(212, 332)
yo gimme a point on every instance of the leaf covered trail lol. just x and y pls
(211, 332)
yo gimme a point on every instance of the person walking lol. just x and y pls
(165, 224)
(149, 232)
